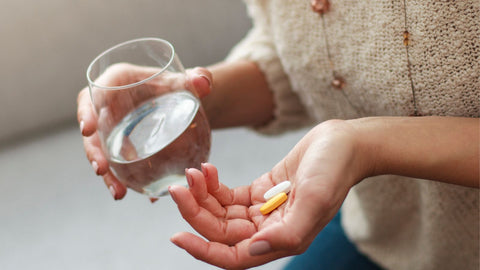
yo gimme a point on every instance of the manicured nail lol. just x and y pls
(95, 166)
(204, 169)
(208, 80)
(259, 248)
(189, 178)
(82, 125)
(172, 194)
(112, 190)
(173, 239)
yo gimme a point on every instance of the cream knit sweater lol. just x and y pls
(399, 223)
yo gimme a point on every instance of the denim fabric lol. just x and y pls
(331, 250)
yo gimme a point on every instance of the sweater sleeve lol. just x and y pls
(259, 47)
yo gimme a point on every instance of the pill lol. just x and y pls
(281, 187)
(273, 203)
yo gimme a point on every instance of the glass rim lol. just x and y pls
(91, 83)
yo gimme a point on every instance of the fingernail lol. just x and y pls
(173, 239)
(114, 193)
(259, 248)
(208, 80)
(204, 169)
(95, 166)
(172, 194)
(189, 178)
(82, 125)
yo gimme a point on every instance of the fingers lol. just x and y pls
(203, 221)
(224, 195)
(200, 81)
(198, 188)
(222, 255)
(100, 166)
(279, 237)
(117, 189)
(211, 252)
(85, 114)
(95, 155)
(228, 231)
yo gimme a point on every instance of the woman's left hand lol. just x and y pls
(197, 80)
(322, 167)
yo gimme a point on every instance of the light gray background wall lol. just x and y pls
(46, 47)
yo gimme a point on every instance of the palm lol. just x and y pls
(321, 170)
(222, 214)
(228, 218)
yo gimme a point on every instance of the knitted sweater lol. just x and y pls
(399, 223)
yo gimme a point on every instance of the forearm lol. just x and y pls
(240, 96)
(443, 149)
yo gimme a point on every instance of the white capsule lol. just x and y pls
(280, 187)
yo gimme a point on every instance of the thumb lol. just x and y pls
(292, 234)
(278, 238)
(199, 80)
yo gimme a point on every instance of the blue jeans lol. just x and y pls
(331, 250)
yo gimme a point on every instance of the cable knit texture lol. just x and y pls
(399, 223)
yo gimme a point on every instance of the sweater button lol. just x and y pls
(320, 6)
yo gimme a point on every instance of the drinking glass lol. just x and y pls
(150, 126)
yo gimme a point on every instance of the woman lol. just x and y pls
(404, 166)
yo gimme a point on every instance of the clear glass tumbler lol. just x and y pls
(151, 128)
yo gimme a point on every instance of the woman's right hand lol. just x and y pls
(322, 168)
(198, 80)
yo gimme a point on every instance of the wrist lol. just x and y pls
(435, 148)
(350, 146)
(367, 145)
(239, 96)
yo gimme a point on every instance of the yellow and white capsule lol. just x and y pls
(273, 203)
(284, 186)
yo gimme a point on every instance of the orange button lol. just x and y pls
(320, 6)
